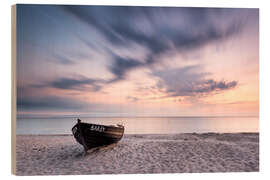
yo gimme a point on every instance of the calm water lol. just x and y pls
(144, 125)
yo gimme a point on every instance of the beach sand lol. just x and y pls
(178, 153)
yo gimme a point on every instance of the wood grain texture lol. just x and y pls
(13, 87)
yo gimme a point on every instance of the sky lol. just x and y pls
(137, 61)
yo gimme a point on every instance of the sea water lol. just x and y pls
(142, 125)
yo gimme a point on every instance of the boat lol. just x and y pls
(96, 135)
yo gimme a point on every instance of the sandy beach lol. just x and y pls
(178, 153)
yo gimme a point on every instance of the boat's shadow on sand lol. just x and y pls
(93, 151)
(99, 149)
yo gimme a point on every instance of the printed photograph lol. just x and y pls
(136, 90)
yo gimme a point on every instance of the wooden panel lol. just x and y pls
(13, 88)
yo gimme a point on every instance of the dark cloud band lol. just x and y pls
(188, 81)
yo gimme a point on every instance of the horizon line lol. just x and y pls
(85, 116)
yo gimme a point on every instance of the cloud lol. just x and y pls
(156, 29)
(69, 83)
(30, 98)
(66, 104)
(188, 81)
(50, 102)
(62, 59)
(132, 99)
(69, 58)
(121, 66)
(73, 83)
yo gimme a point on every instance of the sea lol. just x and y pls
(143, 125)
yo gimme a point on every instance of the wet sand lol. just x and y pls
(178, 153)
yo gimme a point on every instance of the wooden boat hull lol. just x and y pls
(95, 135)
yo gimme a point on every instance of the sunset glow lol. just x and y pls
(137, 61)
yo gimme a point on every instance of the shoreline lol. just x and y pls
(140, 154)
(145, 134)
